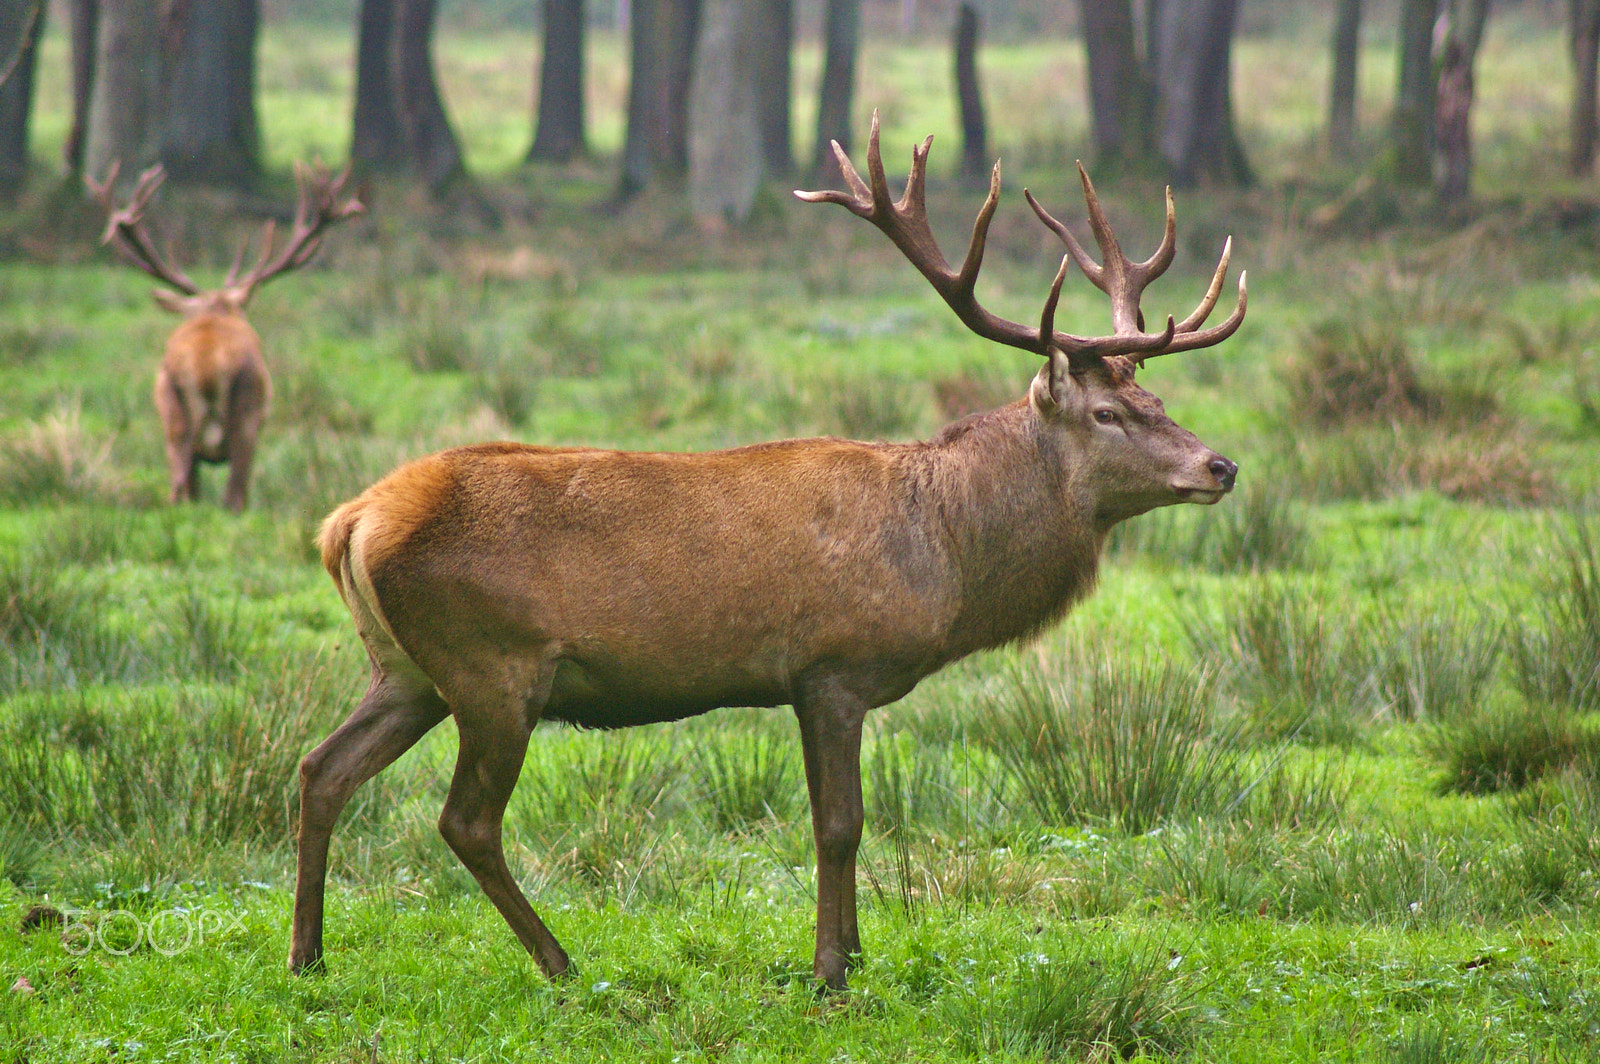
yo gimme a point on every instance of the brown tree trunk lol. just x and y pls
(1585, 40)
(431, 143)
(85, 19)
(377, 142)
(1120, 90)
(969, 94)
(773, 43)
(20, 27)
(1415, 98)
(209, 132)
(559, 130)
(1346, 65)
(656, 144)
(125, 99)
(726, 156)
(1192, 59)
(841, 31)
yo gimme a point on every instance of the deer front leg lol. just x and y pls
(830, 736)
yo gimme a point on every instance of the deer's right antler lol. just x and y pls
(318, 207)
(906, 225)
(125, 228)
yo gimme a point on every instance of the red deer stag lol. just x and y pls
(212, 388)
(505, 584)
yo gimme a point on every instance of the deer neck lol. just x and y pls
(1021, 528)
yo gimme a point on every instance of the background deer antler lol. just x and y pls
(125, 228)
(318, 208)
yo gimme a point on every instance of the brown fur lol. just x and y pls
(504, 584)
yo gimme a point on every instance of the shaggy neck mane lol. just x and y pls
(1021, 531)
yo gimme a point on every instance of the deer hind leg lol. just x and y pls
(247, 408)
(830, 737)
(393, 715)
(178, 429)
(493, 743)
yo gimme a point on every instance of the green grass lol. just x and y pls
(1311, 777)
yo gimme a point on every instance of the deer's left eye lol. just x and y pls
(1105, 417)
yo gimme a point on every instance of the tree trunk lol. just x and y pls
(841, 33)
(1414, 101)
(20, 27)
(431, 143)
(773, 43)
(1346, 65)
(209, 132)
(1120, 90)
(1585, 39)
(1192, 60)
(725, 144)
(377, 142)
(969, 96)
(559, 132)
(125, 100)
(1453, 100)
(656, 144)
(85, 19)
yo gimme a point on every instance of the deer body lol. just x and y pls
(212, 392)
(504, 584)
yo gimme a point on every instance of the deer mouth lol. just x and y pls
(1202, 496)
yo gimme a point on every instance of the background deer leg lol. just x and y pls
(830, 736)
(493, 743)
(246, 410)
(388, 721)
(182, 466)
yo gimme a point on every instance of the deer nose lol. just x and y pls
(1224, 471)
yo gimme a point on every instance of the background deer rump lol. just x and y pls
(502, 584)
(212, 388)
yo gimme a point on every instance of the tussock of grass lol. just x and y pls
(1506, 749)
(1557, 658)
(1077, 1004)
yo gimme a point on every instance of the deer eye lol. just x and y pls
(1105, 417)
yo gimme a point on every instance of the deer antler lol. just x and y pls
(125, 228)
(906, 225)
(1125, 281)
(318, 208)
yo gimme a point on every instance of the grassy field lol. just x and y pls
(1315, 775)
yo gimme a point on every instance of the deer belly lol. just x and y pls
(608, 695)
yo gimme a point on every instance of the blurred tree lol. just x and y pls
(1414, 108)
(208, 124)
(1584, 37)
(772, 33)
(559, 128)
(1453, 98)
(1121, 95)
(1174, 109)
(84, 18)
(841, 31)
(400, 121)
(126, 89)
(656, 143)
(20, 27)
(969, 95)
(1192, 44)
(1342, 90)
(727, 160)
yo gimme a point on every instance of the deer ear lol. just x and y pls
(1051, 384)
(167, 299)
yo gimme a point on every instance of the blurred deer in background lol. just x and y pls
(213, 387)
(506, 584)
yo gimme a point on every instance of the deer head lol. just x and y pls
(1125, 452)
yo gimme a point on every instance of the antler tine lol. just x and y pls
(125, 228)
(1203, 311)
(1190, 341)
(905, 223)
(316, 209)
